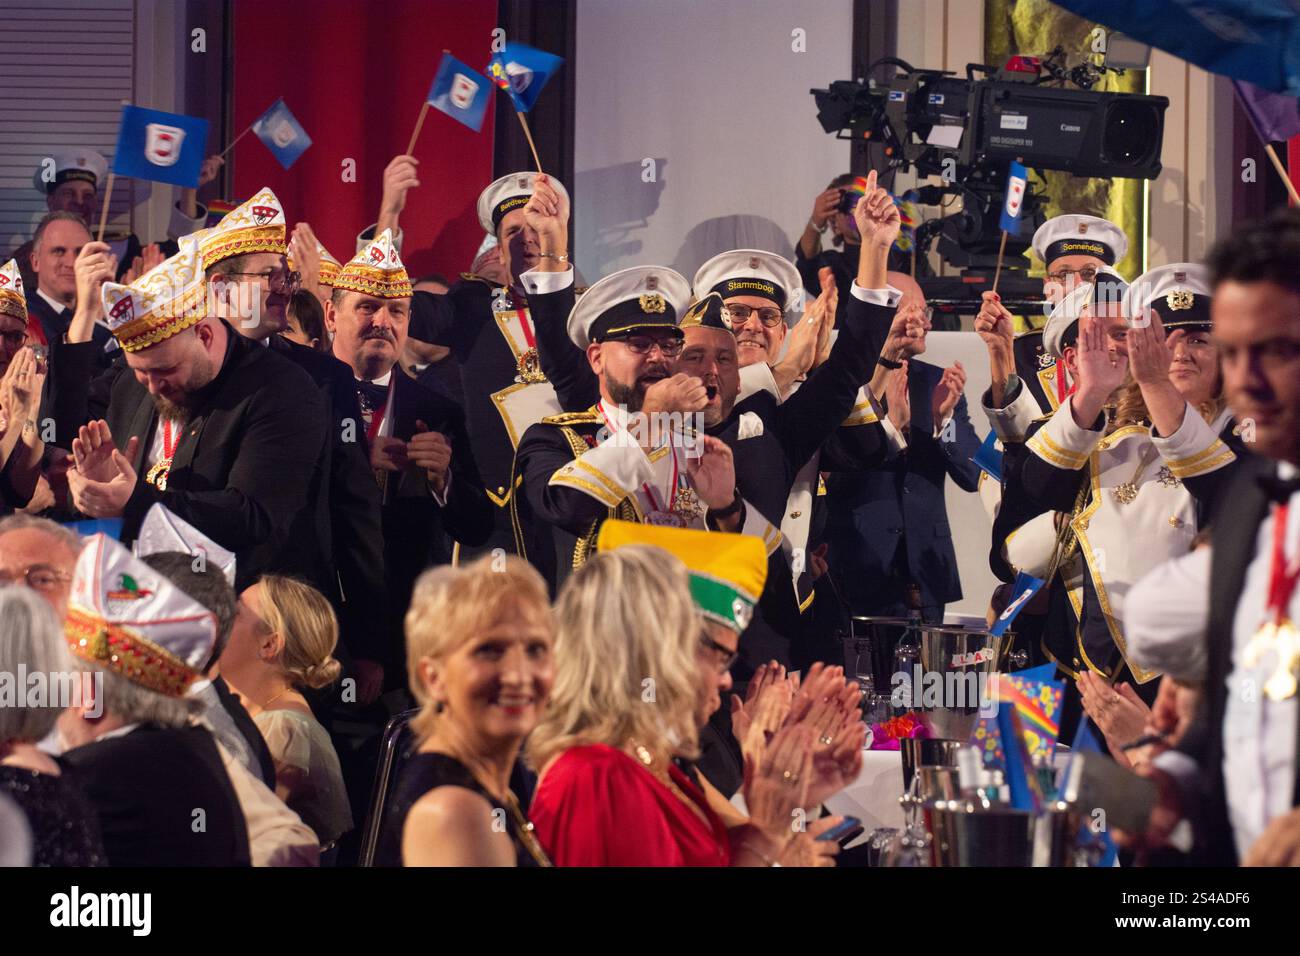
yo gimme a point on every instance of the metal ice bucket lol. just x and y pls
(1056, 836)
(966, 835)
(959, 655)
(920, 752)
(937, 783)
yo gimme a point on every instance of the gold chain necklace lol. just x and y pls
(523, 826)
(1125, 492)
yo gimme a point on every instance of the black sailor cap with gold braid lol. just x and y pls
(1179, 293)
(643, 297)
(707, 313)
(376, 270)
(749, 272)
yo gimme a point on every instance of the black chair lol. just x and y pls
(395, 748)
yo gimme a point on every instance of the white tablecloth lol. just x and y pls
(873, 796)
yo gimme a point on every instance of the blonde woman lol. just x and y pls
(283, 641)
(632, 689)
(479, 654)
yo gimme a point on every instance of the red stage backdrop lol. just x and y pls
(355, 72)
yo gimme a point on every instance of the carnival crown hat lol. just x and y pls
(509, 193)
(641, 297)
(169, 298)
(376, 270)
(1076, 235)
(727, 571)
(257, 225)
(1179, 293)
(749, 272)
(130, 620)
(12, 300)
(163, 531)
(1062, 328)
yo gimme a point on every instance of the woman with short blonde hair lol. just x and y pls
(282, 643)
(479, 642)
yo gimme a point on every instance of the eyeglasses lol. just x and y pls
(642, 344)
(726, 656)
(39, 577)
(281, 280)
(739, 315)
(1086, 274)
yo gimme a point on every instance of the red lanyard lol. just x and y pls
(1282, 577)
(524, 324)
(169, 444)
(658, 503)
(377, 417)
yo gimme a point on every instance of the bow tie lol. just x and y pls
(372, 396)
(1278, 490)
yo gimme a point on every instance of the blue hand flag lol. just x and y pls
(1022, 589)
(460, 92)
(163, 147)
(283, 135)
(989, 457)
(1014, 207)
(522, 72)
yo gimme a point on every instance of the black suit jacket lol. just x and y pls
(347, 514)
(247, 728)
(419, 532)
(902, 503)
(147, 785)
(252, 458)
(55, 326)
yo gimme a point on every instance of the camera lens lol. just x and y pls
(1128, 133)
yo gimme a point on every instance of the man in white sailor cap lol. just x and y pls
(489, 328)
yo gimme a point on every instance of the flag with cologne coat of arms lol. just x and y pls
(158, 146)
(522, 72)
(1014, 208)
(281, 133)
(460, 92)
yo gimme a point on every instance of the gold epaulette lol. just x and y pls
(589, 417)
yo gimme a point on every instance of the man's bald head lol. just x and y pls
(911, 289)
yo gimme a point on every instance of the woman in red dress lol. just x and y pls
(636, 677)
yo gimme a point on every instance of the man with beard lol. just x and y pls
(226, 434)
(488, 327)
(243, 259)
(420, 455)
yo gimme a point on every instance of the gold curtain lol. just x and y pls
(1035, 28)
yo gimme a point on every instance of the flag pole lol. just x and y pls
(1002, 246)
(247, 130)
(415, 134)
(1281, 171)
(103, 210)
(523, 121)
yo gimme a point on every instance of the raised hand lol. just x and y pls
(93, 450)
(906, 336)
(431, 451)
(547, 214)
(1150, 352)
(777, 785)
(995, 324)
(713, 473)
(804, 343)
(95, 265)
(947, 393)
(20, 390)
(210, 169)
(1101, 370)
(830, 295)
(876, 216)
(825, 206)
(102, 497)
(401, 175)
(898, 399)
(305, 254)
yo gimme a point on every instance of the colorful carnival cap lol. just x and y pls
(169, 298)
(1179, 293)
(376, 270)
(12, 300)
(749, 272)
(507, 194)
(727, 571)
(626, 301)
(130, 620)
(707, 313)
(1074, 235)
(329, 266)
(163, 531)
(254, 226)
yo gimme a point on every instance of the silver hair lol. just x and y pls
(22, 522)
(133, 704)
(31, 642)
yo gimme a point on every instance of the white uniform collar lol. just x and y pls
(383, 380)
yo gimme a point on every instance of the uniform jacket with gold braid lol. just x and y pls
(1134, 500)
(248, 466)
(505, 390)
(770, 443)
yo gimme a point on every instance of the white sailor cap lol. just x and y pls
(629, 300)
(1179, 293)
(509, 193)
(73, 164)
(1062, 329)
(1075, 235)
(749, 272)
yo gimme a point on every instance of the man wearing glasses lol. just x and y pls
(41, 554)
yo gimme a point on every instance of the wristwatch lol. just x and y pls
(721, 514)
